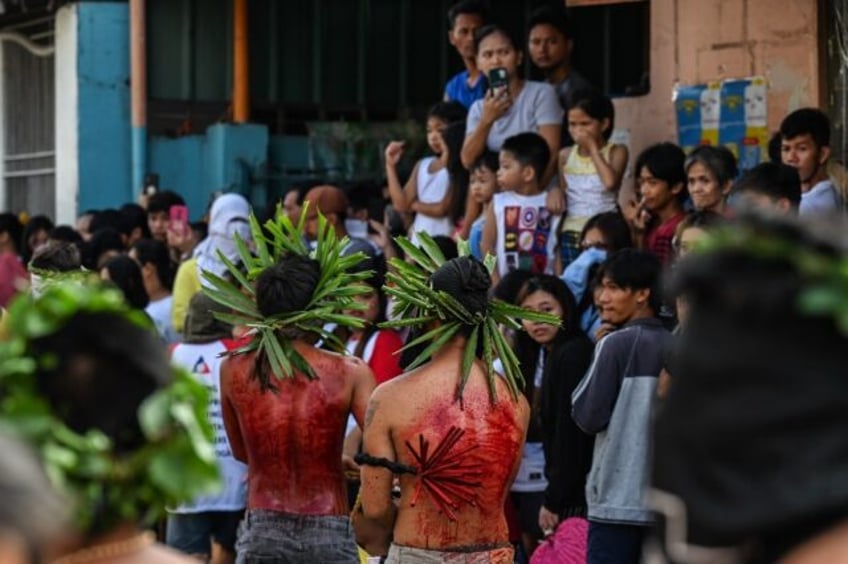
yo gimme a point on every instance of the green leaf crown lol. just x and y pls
(825, 272)
(419, 304)
(176, 463)
(334, 294)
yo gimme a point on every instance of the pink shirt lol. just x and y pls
(12, 276)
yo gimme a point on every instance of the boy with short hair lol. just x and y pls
(520, 229)
(614, 401)
(805, 145)
(159, 213)
(770, 186)
(465, 18)
(661, 187)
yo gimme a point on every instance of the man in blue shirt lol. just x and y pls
(465, 18)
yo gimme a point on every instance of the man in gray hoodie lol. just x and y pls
(614, 402)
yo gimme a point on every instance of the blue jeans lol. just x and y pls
(611, 543)
(269, 536)
(193, 533)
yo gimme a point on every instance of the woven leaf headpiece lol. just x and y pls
(419, 304)
(333, 295)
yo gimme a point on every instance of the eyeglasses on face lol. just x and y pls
(594, 245)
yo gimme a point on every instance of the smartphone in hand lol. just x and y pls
(179, 219)
(498, 83)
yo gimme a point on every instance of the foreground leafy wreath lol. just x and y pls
(418, 304)
(824, 271)
(334, 294)
(176, 463)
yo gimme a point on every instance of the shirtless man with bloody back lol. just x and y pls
(289, 431)
(461, 453)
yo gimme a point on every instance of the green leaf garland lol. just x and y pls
(825, 290)
(178, 460)
(418, 304)
(334, 294)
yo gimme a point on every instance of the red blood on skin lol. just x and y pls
(494, 435)
(293, 437)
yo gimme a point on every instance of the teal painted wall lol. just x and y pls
(228, 158)
(179, 164)
(289, 163)
(104, 105)
(234, 154)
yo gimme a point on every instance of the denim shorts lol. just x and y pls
(192, 533)
(270, 536)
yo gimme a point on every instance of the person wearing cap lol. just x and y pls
(332, 203)
(193, 526)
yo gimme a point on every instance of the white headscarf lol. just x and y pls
(228, 216)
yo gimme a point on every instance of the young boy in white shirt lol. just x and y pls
(520, 230)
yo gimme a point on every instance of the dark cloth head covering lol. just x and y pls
(753, 437)
(201, 326)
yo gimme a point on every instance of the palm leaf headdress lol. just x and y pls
(419, 304)
(335, 292)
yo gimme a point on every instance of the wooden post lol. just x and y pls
(241, 77)
(138, 92)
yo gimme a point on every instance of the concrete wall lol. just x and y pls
(104, 104)
(93, 131)
(196, 166)
(92, 108)
(179, 164)
(67, 118)
(696, 41)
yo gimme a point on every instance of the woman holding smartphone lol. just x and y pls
(512, 105)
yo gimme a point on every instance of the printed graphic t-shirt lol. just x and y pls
(526, 233)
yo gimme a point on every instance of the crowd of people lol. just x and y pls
(562, 456)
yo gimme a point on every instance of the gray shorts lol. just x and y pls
(269, 536)
(473, 555)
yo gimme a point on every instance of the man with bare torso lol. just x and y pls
(290, 433)
(461, 454)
